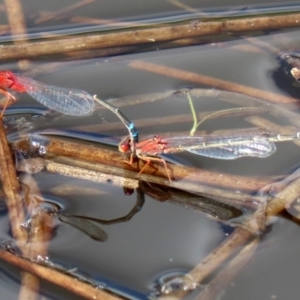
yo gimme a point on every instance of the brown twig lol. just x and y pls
(225, 277)
(284, 198)
(41, 223)
(273, 127)
(193, 176)
(149, 35)
(215, 258)
(58, 278)
(12, 190)
(90, 171)
(15, 203)
(240, 236)
(40, 233)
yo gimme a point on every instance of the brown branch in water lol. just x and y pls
(210, 81)
(222, 252)
(215, 258)
(63, 280)
(29, 287)
(96, 53)
(284, 198)
(41, 225)
(91, 175)
(241, 236)
(273, 127)
(112, 175)
(29, 283)
(193, 176)
(14, 202)
(225, 277)
(11, 189)
(149, 35)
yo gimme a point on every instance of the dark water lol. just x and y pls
(162, 239)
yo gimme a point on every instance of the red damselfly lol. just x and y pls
(67, 101)
(226, 147)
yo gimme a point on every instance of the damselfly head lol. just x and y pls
(6, 79)
(125, 144)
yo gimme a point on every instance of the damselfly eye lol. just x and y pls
(128, 191)
(123, 147)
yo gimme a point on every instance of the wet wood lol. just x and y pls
(192, 28)
(57, 277)
(12, 191)
(193, 176)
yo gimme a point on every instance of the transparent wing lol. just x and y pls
(220, 147)
(67, 101)
(258, 147)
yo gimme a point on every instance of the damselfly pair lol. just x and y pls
(78, 103)
(256, 143)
